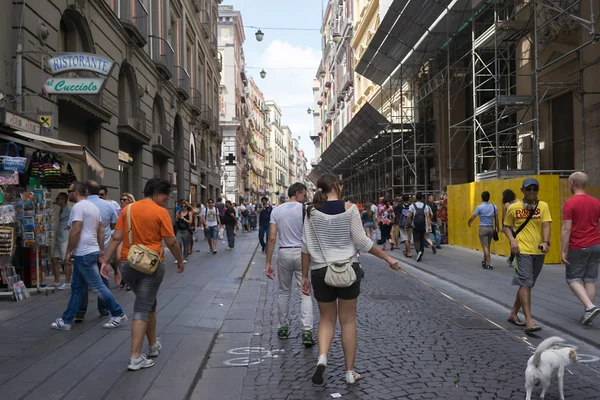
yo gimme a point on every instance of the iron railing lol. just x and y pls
(161, 52)
(164, 139)
(196, 100)
(207, 114)
(134, 12)
(181, 78)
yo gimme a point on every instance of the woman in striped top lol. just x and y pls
(333, 232)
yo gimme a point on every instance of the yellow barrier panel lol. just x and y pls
(462, 200)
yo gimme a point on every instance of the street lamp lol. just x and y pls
(309, 110)
(337, 37)
(263, 73)
(259, 35)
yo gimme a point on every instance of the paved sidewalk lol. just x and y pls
(88, 362)
(553, 303)
(413, 343)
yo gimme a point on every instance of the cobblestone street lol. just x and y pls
(414, 342)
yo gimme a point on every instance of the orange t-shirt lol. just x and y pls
(150, 222)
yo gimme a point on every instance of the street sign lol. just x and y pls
(73, 85)
(46, 120)
(80, 62)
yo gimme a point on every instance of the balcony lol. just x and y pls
(215, 127)
(205, 20)
(132, 123)
(134, 17)
(181, 81)
(206, 116)
(163, 145)
(196, 101)
(327, 117)
(162, 54)
(220, 61)
(214, 46)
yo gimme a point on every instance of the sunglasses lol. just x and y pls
(532, 189)
(125, 199)
(71, 190)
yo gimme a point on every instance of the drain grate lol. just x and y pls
(393, 297)
(474, 324)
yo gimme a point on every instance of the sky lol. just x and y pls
(281, 50)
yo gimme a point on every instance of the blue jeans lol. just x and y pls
(262, 231)
(84, 298)
(437, 234)
(85, 273)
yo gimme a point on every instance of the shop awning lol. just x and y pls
(52, 145)
(366, 124)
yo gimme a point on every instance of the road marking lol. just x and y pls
(250, 356)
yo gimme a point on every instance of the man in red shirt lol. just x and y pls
(580, 235)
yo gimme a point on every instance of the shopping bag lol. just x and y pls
(221, 233)
(10, 163)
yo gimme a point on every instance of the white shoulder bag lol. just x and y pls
(339, 273)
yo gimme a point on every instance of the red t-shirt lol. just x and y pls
(584, 211)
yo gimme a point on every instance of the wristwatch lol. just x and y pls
(547, 242)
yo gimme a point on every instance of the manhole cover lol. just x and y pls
(396, 297)
(474, 323)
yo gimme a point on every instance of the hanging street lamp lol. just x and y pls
(309, 110)
(337, 37)
(259, 35)
(263, 73)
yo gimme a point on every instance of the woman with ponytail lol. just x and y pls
(333, 232)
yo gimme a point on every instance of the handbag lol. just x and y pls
(340, 273)
(16, 163)
(495, 237)
(140, 257)
(35, 166)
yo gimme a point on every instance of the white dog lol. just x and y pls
(545, 362)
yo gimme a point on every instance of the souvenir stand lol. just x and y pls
(26, 204)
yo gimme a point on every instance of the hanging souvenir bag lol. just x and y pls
(51, 172)
(35, 167)
(16, 163)
(66, 178)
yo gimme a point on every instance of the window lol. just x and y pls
(192, 149)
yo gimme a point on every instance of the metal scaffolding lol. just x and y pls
(461, 84)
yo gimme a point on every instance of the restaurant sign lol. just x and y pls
(80, 62)
(73, 85)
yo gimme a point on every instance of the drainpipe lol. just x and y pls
(19, 77)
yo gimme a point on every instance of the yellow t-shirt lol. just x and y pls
(531, 236)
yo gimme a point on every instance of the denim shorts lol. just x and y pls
(212, 232)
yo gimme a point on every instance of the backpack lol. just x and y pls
(220, 208)
(404, 216)
(420, 221)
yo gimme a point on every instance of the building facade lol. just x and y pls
(279, 161)
(257, 137)
(150, 117)
(233, 108)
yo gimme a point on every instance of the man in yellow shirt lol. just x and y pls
(530, 220)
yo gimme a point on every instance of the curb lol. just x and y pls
(416, 265)
(206, 356)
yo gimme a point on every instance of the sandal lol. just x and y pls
(533, 329)
(516, 321)
(352, 377)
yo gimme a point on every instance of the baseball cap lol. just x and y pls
(530, 182)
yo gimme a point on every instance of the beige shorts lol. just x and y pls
(486, 235)
(59, 250)
(405, 234)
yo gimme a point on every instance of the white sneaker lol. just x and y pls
(352, 377)
(61, 325)
(210, 251)
(139, 363)
(64, 286)
(419, 256)
(154, 350)
(115, 322)
(214, 251)
(185, 261)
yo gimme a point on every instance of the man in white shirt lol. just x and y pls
(86, 239)
(287, 223)
(211, 221)
(104, 196)
(419, 214)
(60, 243)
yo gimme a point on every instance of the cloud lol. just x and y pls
(290, 72)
